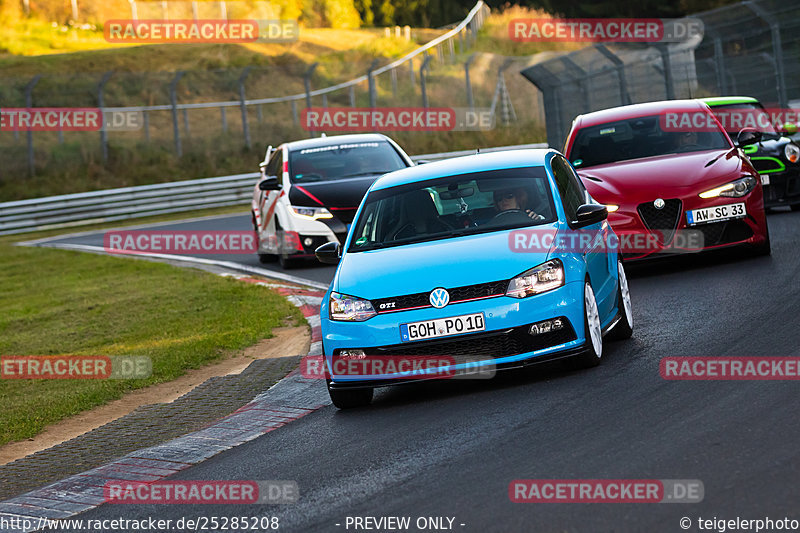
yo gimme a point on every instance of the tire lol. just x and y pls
(348, 399)
(624, 328)
(285, 260)
(262, 258)
(761, 250)
(594, 334)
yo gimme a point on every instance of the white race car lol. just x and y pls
(309, 191)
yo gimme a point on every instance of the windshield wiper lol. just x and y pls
(370, 173)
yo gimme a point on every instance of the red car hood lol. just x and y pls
(666, 176)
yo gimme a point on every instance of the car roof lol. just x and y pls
(465, 165)
(638, 110)
(335, 139)
(727, 100)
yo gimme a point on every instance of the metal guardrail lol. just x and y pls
(111, 205)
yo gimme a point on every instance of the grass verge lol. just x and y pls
(59, 302)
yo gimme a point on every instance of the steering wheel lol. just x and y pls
(508, 213)
(690, 147)
(410, 225)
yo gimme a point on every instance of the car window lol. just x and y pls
(572, 192)
(453, 206)
(637, 138)
(344, 160)
(735, 117)
(273, 168)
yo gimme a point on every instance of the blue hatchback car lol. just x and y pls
(431, 268)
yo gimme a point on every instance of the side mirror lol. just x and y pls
(270, 183)
(589, 214)
(328, 253)
(422, 161)
(748, 136)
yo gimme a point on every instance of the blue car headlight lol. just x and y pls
(350, 308)
(539, 279)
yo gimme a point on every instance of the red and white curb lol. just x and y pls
(291, 398)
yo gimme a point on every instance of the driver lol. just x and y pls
(686, 139)
(514, 199)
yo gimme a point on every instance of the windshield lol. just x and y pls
(454, 206)
(338, 161)
(734, 117)
(637, 138)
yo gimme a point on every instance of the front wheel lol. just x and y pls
(765, 248)
(347, 399)
(624, 328)
(594, 333)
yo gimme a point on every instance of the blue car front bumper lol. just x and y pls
(505, 343)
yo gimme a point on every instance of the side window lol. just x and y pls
(275, 165)
(572, 192)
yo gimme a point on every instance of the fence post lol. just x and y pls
(194, 10)
(411, 71)
(174, 102)
(777, 51)
(29, 104)
(394, 82)
(103, 135)
(245, 128)
(146, 120)
(663, 49)
(134, 13)
(422, 75)
(470, 101)
(373, 96)
(307, 84)
(352, 96)
(224, 114)
(295, 118)
(74, 10)
(619, 65)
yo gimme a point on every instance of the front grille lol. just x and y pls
(485, 345)
(662, 222)
(726, 232)
(457, 294)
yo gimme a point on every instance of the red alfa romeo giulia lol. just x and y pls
(671, 177)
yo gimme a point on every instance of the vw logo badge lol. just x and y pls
(659, 203)
(439, 298)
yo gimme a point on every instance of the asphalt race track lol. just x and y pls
(450, 449)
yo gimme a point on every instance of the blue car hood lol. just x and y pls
(448, 263)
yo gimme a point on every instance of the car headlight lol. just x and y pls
(539, 279)
(734, 189)
(350, 308)
(792, 152)
(313, 213)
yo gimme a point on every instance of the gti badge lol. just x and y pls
(439, 298)
(659, 203)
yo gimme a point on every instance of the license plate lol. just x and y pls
(765, 179)
(715, 214)
(442, 327)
